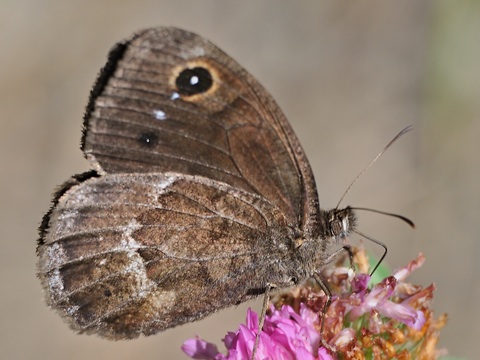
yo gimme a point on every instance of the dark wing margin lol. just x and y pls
(114, 56)
(73, 181)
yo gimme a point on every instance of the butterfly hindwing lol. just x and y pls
(137, 246)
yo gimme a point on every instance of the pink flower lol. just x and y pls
(286, 335)
(378, 299)
(391, 319)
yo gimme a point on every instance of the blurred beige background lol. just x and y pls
(349, 76)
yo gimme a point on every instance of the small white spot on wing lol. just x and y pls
(160, 115)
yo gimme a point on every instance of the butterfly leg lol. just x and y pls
(261, 319)
(332, 257)
(327, 291)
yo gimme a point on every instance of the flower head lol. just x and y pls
(391, 319)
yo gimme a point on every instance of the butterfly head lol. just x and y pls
(338, 223)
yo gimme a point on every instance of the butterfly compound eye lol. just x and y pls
(193, 81)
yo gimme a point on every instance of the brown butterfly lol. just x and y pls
(200, 197)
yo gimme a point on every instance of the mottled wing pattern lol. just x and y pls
(125, 254)
(142, 119)
(200, 196)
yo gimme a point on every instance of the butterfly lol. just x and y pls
(200, 195)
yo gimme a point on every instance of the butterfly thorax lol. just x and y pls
(311, 253)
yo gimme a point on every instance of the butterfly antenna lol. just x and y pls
(401, 133)
(403, 218)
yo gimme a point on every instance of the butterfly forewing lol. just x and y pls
(144, 120)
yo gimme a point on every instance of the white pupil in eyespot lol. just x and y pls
(194, 80)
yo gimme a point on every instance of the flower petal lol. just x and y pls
(197, 348)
